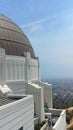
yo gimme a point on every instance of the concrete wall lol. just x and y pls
(22, 68)
(60, 117)
(17, 114)
(61, 122)
(35, 72)
(17, 86)
(15, 68)
(37, 93)
(55, 112)
(47, 93)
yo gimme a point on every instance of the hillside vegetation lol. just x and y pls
(69, 118)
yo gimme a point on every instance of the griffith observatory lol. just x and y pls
(23, 96)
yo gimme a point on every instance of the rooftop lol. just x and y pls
(4, 100)
(10, 98)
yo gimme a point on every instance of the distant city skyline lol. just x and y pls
(49, 27)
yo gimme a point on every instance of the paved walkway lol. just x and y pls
(49, 128)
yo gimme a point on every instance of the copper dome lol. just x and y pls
(12, 38)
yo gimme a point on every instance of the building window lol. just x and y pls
(20, 128)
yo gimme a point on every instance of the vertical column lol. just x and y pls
(11, 71)
(17, 77)
(1, 73)
(28, 67)
(38, 69)
(14, 71)
(19, 70)
(22, 71)
(2, 66)
(2, 70)
(8, 71)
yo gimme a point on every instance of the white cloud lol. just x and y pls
(36, 27)
(34, 23)
(37, 22)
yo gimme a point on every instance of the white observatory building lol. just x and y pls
(22, 94)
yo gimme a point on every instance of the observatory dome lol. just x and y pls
(13, 39)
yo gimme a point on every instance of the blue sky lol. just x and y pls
(49, 26)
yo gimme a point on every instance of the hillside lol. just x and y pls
(69, 118)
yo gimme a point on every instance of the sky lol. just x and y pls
(49, 26)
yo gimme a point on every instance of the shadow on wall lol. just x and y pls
(46, 106)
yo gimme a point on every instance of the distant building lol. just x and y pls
(22, 94)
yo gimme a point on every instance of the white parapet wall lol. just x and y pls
(45, 126)
(47, 93)
(37, 93)
(17, 114)
(61, 122)
(17, 86)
